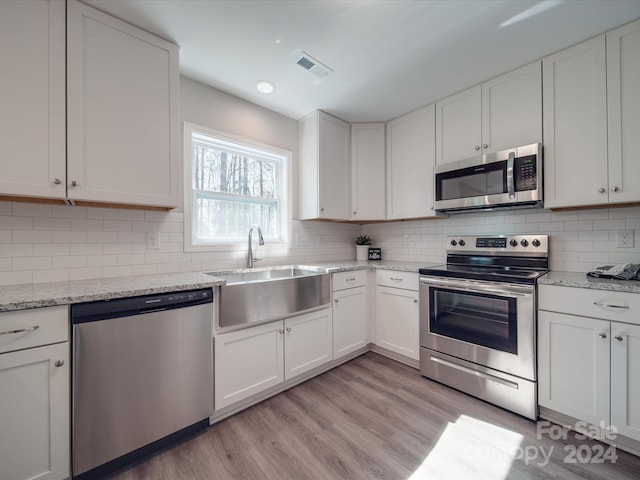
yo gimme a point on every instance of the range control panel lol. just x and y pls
(536, 244)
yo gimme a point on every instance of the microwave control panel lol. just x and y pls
(525, 173)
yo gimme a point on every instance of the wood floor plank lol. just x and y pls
(371, 418)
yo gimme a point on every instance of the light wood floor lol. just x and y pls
(371, 418)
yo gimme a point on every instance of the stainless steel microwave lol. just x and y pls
(509, 178)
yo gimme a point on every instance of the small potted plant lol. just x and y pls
(362, 247)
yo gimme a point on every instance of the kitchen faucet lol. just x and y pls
(250, 257)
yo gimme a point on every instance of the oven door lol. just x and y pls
(487, 323)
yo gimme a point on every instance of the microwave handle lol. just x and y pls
(510, 178)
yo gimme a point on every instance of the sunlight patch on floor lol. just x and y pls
(471, 448)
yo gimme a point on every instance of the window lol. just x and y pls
(231, 184)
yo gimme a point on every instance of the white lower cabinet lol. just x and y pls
(254, 359)
(350, 329)
(34, 398)
(397, 314)
(589, 367)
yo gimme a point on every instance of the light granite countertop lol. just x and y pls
(580, 280)
(20, 297)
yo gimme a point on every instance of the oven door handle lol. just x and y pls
(508, 289)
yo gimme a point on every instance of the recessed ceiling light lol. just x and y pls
(265, 87)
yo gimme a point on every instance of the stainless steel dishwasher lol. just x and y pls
(142, 376)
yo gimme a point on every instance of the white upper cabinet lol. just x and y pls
(368, 171)
(122, 112)
(410, 162)
(32, 98)
(575, 126)
(502, 113)
(512, 109)
(458, 132)
(323, 169)
(623, 102)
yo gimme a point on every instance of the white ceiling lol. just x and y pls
(389, 56)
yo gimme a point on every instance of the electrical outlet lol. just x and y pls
(153, 240)
(624, 238)
(405, 240)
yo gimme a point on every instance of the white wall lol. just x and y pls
(43, 242)
(580, 240)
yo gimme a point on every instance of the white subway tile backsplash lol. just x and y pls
(57, 242)
(31, 210)
(31, 236)
(49, 223)
(31, 263)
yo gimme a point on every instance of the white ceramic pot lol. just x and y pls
(362, 253)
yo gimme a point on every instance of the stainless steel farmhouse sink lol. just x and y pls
(271, 293)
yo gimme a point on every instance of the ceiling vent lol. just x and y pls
(309, 63)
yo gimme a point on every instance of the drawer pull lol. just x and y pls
(602, 335)
(59, 363)
(618, 337)
(350, 279)
(610, 305)
(395, 279)
(21, 330)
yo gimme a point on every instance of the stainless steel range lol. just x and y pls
(478, 318)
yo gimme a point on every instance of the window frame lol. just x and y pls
(248, 145)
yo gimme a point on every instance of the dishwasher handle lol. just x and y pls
(130, 306)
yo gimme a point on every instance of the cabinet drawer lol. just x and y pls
(17, 328)
(608, 305)
(393, 278)
(354, 278)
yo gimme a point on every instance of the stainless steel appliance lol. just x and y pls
(142, 376)
(509, 178)
(478, 318)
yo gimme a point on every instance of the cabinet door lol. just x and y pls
(349, 321)
(308, 342)
(34, 413)
(575, 126)
(334, 191)
(368, 171)
(122, 112)
(512, 109)
(397, 321)
(247, 362)
(573, 366)
(625, 379)
(623, 102)
(32, 112)
(410, 162)
(458, 132)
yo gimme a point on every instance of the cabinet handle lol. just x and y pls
(477, 147)
(354, 213)
(618, 337)
(280, 331)
(601, 190)
(288, 329)
(75, 184)
(322, 209)
(20, 330)
(350, 279)
(395, 279)
(485, 145)
(610, 305)
(337, 300)
(57, 181)
(615, 189)
(59, 363)
(602, 335)
(415, 300)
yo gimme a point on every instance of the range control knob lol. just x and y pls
(461, 242)
(524, 243)
(535, 242)
(513, 242)
(454, 243)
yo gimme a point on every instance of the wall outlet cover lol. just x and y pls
(624, 238)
